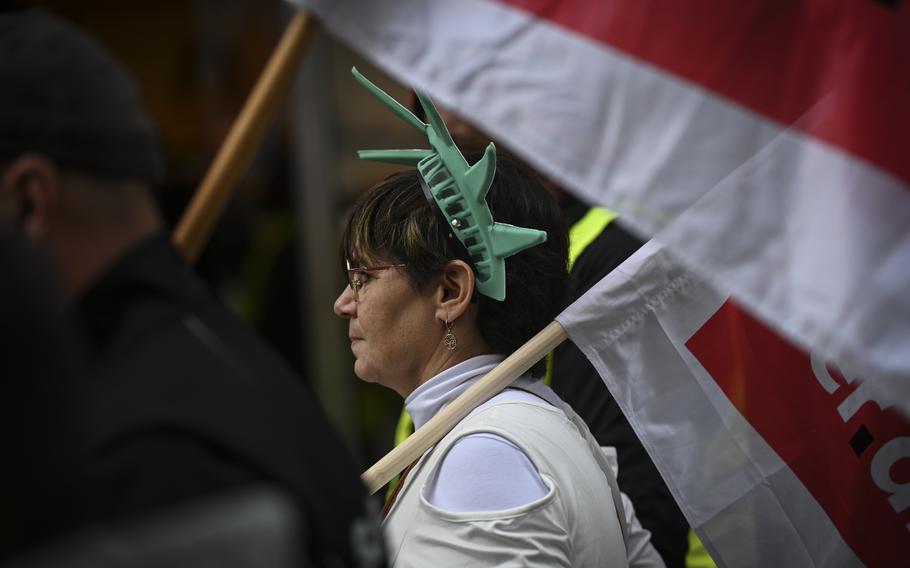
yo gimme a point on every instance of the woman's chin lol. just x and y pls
(363, 372)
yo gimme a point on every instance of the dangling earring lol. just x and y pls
(449, 340)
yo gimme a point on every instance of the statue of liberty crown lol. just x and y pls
(459, 191)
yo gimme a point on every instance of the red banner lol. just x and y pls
(852, 455)
(846, 61)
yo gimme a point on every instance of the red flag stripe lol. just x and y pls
(849, 60)
(775, 388)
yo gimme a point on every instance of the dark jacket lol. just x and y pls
(186, 401)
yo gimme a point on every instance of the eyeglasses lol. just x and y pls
(360, 275)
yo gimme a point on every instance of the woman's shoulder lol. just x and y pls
(513, 408)
(514, 394)
(543, 431)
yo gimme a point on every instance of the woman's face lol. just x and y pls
(393, 328)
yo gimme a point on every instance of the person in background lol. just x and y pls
(183, 401)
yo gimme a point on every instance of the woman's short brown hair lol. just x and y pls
(393, 223)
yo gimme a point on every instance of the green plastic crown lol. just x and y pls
(459, 191)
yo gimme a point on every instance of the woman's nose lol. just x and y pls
(345, 306)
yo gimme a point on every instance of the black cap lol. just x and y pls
(64, 96)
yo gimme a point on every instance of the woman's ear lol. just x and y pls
(455, 290)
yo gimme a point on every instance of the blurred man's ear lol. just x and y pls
(32, 185)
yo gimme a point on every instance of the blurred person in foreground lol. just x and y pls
(183, 401)
(40, 422)
(438, 295)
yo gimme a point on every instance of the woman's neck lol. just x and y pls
(442, 358)
(439, 390)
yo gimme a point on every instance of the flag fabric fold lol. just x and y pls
(773, 457)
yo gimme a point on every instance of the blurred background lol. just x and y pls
(274, 255)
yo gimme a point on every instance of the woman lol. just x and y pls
(517, 481)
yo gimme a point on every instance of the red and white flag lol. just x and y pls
(765, 142)
(774, 458)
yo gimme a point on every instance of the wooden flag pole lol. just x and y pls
(438, 426)
(246, 134)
